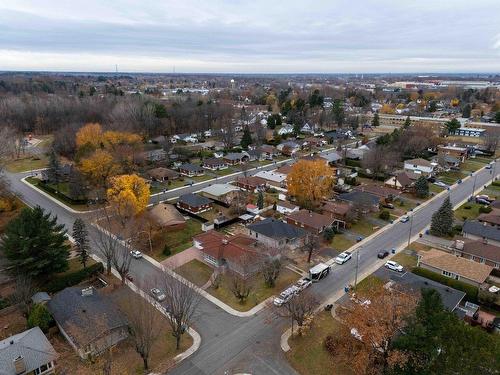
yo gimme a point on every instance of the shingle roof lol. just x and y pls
(479, 229)
(312, 219)
(360, 197)
(219, 246)
(492, 218)
(32, 345)
(469, 269)
(194, 200)
(276, 229)
(419, 161)
(84, 318)
(214, 161)
(484, 250)
(218, 190)
(166, 214)
(191, 167)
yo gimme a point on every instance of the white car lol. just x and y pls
(404, 218)
(343, 257)
(394, 266)
(136, 254)
(158, 295)
(304, 283)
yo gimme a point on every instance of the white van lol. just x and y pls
(319, 272)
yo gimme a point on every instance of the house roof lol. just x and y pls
(234, 156)
(251, 181)
(481, 249)
(469, 269)
(286, 204)
(214, 161)
(271, 176)
(268, 149)
(331, 157)
(337, 208)
(166, 214)
(40, 297)
(235, 248)
(191, 167)
(285, 169)
(162, 172)
(362, 197)
(32, 345)
(479, 229)
(491, 218)
(311, 219)
(420, 162)
(194, 200)
(380, 191)
(218, 190)
(403, 179)
(276, 229)
(84, 318)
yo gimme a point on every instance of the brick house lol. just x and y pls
(250, 183)
(479, 251)
(310, 221)
(191, 170)
(214, 164)
(194, 203)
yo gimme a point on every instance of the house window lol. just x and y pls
(450, 275)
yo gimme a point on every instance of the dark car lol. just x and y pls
(382, 254)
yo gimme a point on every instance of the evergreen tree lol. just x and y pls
(497, 117)
(338, 113)
(442, 219)
(421, 187)
(466, 111)
(407, 122)
(54, 167)
(452, 125)
(35, 244)
(296, 128)
(80, 235)
(246, 139)
(376, 120)
(260, 200)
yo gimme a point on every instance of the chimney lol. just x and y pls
(19, 365)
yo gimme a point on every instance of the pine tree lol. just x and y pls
(421, 187)
(246, 139)
(376, 120)
(407, 122)
(35, 244)
(80, 235)
(54, 167)
(442, 219)
(260, 200)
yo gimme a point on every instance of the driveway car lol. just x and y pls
(382, 254)
(136, 254)
(394, 266)
(158, 295)
(343, 257)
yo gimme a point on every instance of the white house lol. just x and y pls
(419, 166)
(285, 207)
(286, 129)
(307, 128)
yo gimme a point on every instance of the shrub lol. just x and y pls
(166, 251)
(496, 183)
(328, 234)
(485, 209)
(384, 215)
(60, 282)
(40, 317)
(470, 290)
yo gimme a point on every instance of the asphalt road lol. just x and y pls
(251, 345)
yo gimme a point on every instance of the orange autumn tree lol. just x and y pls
(310, 181)
(112, 139)
(89, 134)
(128, 195)
(98, 167)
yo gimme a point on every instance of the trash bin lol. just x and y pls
(393, 250)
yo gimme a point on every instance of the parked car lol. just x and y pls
(388, 205)
(382, 254)
(343, 257)
(440, 184)
(304, 283)
(482, 201)
(404, 218)
(394, 266)
(286, 295)
(488, 166)
(158, 295)
(136, 254)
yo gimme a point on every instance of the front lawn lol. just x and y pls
(408, 261)
(308, 354)
(61, 197)
(368, 283)
(195, 271)
(259, 293)
(435, 189)
(176, 241)
(451, 177)
(340, 242)
(467, 211)
(26, 164)
(364, 228)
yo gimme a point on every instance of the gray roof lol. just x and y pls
(191, 167)
(218, 190)
(331, 157)
(276, 229)
(235, 156)
(84, 318)
(194, 200)
(32, 345)
(478, 229)
(360, 197)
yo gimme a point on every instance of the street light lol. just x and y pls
(474, 185)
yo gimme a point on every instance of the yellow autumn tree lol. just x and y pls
(98, 167)
(310, 181)
(387, 109)
(112, 138)
(128, 195)
(89, 134)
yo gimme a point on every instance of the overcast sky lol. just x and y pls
(251, 36)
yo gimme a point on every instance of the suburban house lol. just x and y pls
(285, 207)
(455, 151)
(191, 170)
(492, 218)
(286, 129)
(315, 141)
(154, 155)
(338, 210)
(383, 192)
(234, 158)
(446, 161)
(224, 193)
(236, 253)
(475, 230)
(273, 179)
(479, 251)
(162, 174)
(28, 352)
(402, 181)
(306, 128)
(357, 153)
(167, 216)
(269, 152)
(251, 183)
(288, 148)
(331, 157)
(284, 169)
(454, 267)
(368, 202)
(470, 132)
(214, 164)
(310, 221)
(276, 234)
(419, 166)
(194, 203)
(90, 323)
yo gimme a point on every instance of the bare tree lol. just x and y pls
(270, 269)
(106, 243)
(182, 299)
(311, 244)
(491, 139)
(227, 133)
(299, 309)
(23, 292)
(240, 286)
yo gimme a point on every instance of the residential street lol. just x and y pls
(251, 345)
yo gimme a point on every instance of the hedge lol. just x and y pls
(61, 196)
(470, 290)
(353, 163)
(73, 278)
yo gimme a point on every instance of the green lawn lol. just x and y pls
(27, 164)
(61, 198)
(368, 283)
(340, 242)
(308, 354)
(472, 165)
(451, 177)
(406, 260)
(467, 211)
(225, 172)
(435, 189)
(259, 293)
(177, 241)
(195, 271)
(364, 228)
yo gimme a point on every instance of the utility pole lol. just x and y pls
(409, 233)
(474, 185)
(357, 266)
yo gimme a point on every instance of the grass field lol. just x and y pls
(340, 242)
(406, 260)
(464, 213)
(364, 228)
(451, 177)
(195, 271)
(368, 283)
(177, 241)
(26, 164)
(78, 207)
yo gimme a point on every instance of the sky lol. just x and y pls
(235, 36)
